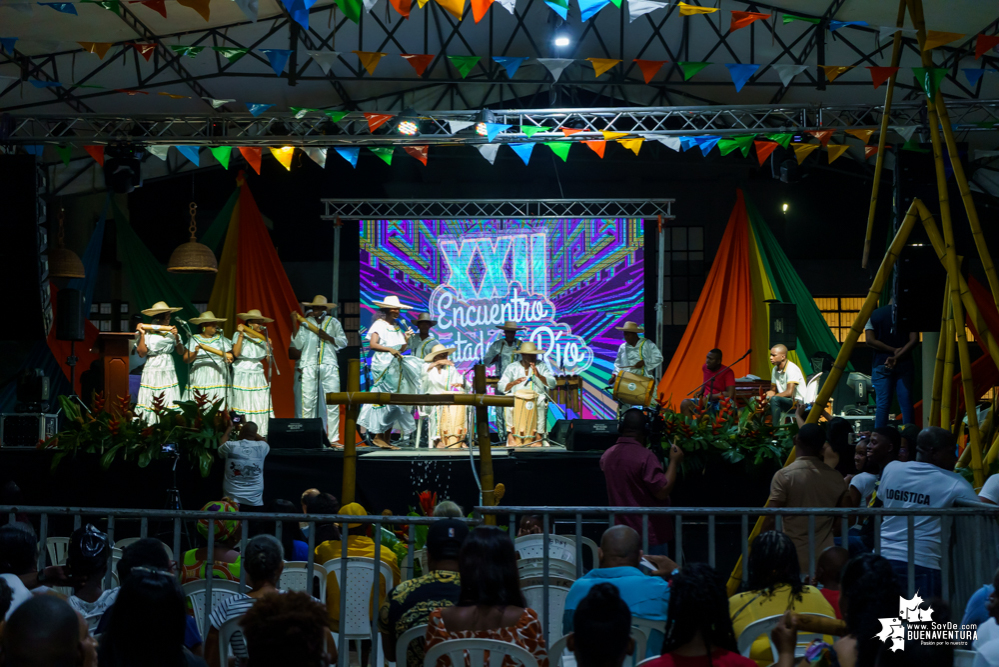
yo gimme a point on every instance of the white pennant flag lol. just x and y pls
(158, 151)
(556, 65)
(508, 5)
(324, 59)
(48, 45)
(488, 151)
(317, 154)
(369, 5)
(888, 32)
(668, 142)
(457, 126)
(906, 131)
(216, 103)
(788, 72)
(250, 8)
(638, 8)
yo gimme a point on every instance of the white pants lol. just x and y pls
(317, 381)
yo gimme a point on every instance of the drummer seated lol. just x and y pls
(719, 382)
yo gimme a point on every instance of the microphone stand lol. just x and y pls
(712, 378)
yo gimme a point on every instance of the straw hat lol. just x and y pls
(632, 327)
(159, 308)
(390, 302)
(254, 314)
(205, 318)
(425, 317)
(438, 349)
(319, 301)
(529, 348)
(353, 509)
(508, 325)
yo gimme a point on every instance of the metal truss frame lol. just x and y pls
(484, 209)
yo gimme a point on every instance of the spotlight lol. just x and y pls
(485, 116)
(784, 208)
(562, 40)
(408, 123)
(122, 170)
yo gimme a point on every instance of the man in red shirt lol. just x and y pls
(718, 383)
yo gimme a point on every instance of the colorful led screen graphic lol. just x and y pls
(569, 281)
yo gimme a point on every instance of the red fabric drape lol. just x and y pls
(723, 316)
(61, 348)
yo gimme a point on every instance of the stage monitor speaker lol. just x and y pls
(23, 260)
(783, 324)
(295, 433)
(69, 315)
(920, 280)
(591, 435)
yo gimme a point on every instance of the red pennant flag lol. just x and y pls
(881, 74)
(569, 131)
(376, 120)
(252, 155)
(869, 151)
(145, 50)
(479, 8)
(404, 7)
(158, 6)
(96, 152)
(984, 43)
(764, 149)
(822, 135)
(419, 61)
(419, 152)
(742, 19)
(130, 92)
(650, 67)
(597, 147)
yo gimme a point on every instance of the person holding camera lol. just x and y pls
(244, 465)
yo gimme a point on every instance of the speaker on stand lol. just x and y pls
(69, 326)
(783, 324)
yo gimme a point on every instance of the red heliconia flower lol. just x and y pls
(114, 425)
(146, 432)
(159, 402)
(428, 501)
(200, 398)
(99, 402)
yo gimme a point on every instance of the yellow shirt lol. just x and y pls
(745, 608)
(359, 546)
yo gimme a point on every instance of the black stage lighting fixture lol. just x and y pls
(123, 168)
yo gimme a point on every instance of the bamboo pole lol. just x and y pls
(387, 398)
(993, 454)
(350, 433)
(485, 445)
(896, 55)
(938, 366)
(947, 380)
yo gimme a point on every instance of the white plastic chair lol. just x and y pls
(763, 627)
(557, 651)
(195, 592)
(641, 632)
(963, 658)
(647, 660)
(559, 547)
(126, 541)
(535, 598)
(294, 577)
(405, 639)
(535, 567)
(355, 619)
(229, 629)
(58, 548)
(559, 654)
(476, 649)
(421, 557)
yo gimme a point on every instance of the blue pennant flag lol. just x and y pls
(34, 149)
(707, 143)
(741, 73)
(44, 84)
(588, 8)
(349, 153)
(973, 75)
(191, 153)
(299, 10)
(8, 43)
(510, 64)
(278, 58)
(492, 129)
(836, 25)
(523, 150)
(558, 9)
(64, 7)
(257, 109)
(686, 143)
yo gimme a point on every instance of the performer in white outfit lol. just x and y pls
(528, 372)
(636, 355)
(251, 388)
(424, 340)
(501, 354)
(209, 354)
(157, 344)
(442, 377)
(318, 338)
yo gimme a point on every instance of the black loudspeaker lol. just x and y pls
(916, 176)
(23, 262)
(295, 433)
(591, 434)
(920, 279)
(783, 324)
(69, 315)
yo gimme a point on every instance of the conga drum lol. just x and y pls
(633, 389)
(452, 425)
(525, 414)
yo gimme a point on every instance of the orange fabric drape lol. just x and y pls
(723, 316)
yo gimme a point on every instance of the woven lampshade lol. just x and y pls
(63, 262)
(193, 257)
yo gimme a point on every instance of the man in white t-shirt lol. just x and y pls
(927, 482)
(244, 467)
(787, 384)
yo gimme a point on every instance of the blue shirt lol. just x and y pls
(647, 597)
(975, 612)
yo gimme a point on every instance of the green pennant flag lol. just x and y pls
(464, 63)
(988, 123)
(531, 130)
(64, 153)
(792, 17)
(336, 116)
(742, 143)
(222, 154)
(784, 139)
(929, 79)
(351, 9)
(727, 145)
(913, 145)
(110, 5)
(691, 68)
(384, 152)
(231, 54)
(617, 3)
(560, 148)
(190, 51)
(301, 111)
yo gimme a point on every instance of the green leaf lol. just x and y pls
(108, 456)
(205, 460)
(59, 456)
(70, 408)
(146, 457)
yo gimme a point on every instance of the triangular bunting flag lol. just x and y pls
(376, 120)
(283, 155)
(403, 7)
(457, 126)
(560, 7)
(741, 73)
(464, 64)
(531, 130)
(650, 68)
(905, 131)
(727, 145)
(257, 109)
(509, 63)
(488, 151)
(348, 153)
(34, 149)
(299, 11)
(418, 152)
(601, 65)
(492, 129)
(252, 155)
(317, 153)
(633, 145)
(158, 150)
(744, 143)
(145, 50)
(96, 152)
(335, 116)
(200, 6)
(985, 43)
(742, 19)
(250, 8)
(301, 112)
(66, 152)
(691, 10)
(835, 150)
(881, 74)
(189, 51)
(369, 5)
(454, 7)
(560, 148)
(479, 9)
(686, 143)
(174, 97)
(788, 72)
(801, 151)
(7, 43)
(324, 59)
(870, 151)
(222, 154)
(884, 32)
(351, 9)
(836, 25)
(508, 5)
(638, 8)
(833, 71)
(914, 146)
(216, 104)
(596, 146)
(706, 143)
(587, 8)
(764, 149)
(611, 136)
(384, 153)
(418, 61)
(99, 48)
(192, 154)
(569, 131)
(930, 79)
(229, 53)
(523, 151)
(973, 75)
(63, 7)
(822, 135)
(45, 84)
(555, 65)
(935, 38)
(691, 68)
(672, 143)
(863, 135)
(788, 18)
(369, 59)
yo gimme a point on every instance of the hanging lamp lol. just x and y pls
(63, 262)
(193, 257)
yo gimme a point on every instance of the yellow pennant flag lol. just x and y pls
(835, 150)
(100, 48)
(863, 135)
(422, 3)
(610, 136)
(833, 71)
(633, 145)
(935, 38)
(454, 7)
(175, 97)
(601, 65)
(283, 155)
(369, 59)
(801, 151)
(691, 10)
(200, 6)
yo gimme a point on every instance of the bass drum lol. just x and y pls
(633, 389)
(453, 426)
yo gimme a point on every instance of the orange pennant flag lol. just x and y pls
(376, 120)
(567, 131)
(764, 149)
(419, 61)
(984, 43)
(175, 97)
(252, 156)
(801, 151)
(601, 65)
(869, 151)
(597, 146)
(822, 135)
(935, 38)
(369, 59)
(742, 19)
(610, 136)
(100, 48)
(881, 74)
(650, 67)
(454, 7)
(145, 49)
(833, 71)
(633, 145)
(283, 155)
(200, 6)
(96, 152)
(404, 7)
(479, 9)
(835, 150)
(419, 152)
(863, 135)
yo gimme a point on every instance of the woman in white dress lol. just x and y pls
(442, 377)
(209, 354)
(390, 372)
(251, 391)
(159, 375)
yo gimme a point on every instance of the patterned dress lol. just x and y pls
(159, 376)
(209, 372)
(251, 393)
(526, 633)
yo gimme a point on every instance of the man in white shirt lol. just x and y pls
(927, 482)
(424, 341)
(787, 384)
(318, 365)
(244, 467)
(637, 355)
(501, 354)
(530, 373)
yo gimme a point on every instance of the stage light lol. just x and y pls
(485, 116)
(122, 168)
(408, 123)
(784, 208)
(562, 40)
